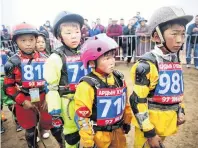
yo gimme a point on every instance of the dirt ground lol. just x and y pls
(187, 136)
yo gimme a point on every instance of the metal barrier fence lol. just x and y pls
(9, 45)
(131, 46)
(191, 44)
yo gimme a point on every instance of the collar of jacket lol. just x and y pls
(74, 50)
(158, 52)
(34, 55)
(107, 79)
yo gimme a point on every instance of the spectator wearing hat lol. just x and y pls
(138, 16)
(143, 40)
(48, 26)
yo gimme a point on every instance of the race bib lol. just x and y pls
(170, 86)
(110, 105)
(32, 74)
(75, 70)
(3, 61)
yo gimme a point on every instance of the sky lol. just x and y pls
(36, 12)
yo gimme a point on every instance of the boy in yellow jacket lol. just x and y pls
(62, 72)
(157, 98)
(103, 113)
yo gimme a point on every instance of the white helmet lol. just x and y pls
(164, 15)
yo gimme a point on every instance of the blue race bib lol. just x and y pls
(170, 86)
(110, 105)
(75, 70)
(32, 74)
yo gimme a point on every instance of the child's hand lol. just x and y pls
(44, 105)
(28, 105)
(155, 142)
(126, 128)
(181, 119)
(195, 29)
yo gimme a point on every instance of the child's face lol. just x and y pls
(175, 37)
(26, 43)
(40, 44)
(71, 34)
(106, 63)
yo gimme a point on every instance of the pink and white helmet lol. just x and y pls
(96, 46)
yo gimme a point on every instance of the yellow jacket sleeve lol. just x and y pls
(52, 74)
(127, 112)
(145, 78)
(84, 97)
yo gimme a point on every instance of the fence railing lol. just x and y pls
(132, 46)
(8, 44)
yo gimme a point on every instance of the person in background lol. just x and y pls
(5, 99)
(5, 39)
(99, 26)
(48, 26)
(109, 22)
(84, 33)
(143, 39)
(138, 16)
(44, 29)
(94, 31)
(137, 24)
(192, 43)
(122, 23)
(121, 38)
(129, 43)
(86, 23)
(114, 30)
(41, 43)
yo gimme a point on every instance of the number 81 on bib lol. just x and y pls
(32, 74)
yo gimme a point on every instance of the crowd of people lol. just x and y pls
(74, 91)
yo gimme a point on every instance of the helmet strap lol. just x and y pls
(27, 53)
(160, 36)
(163, 42)
(98, 70)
